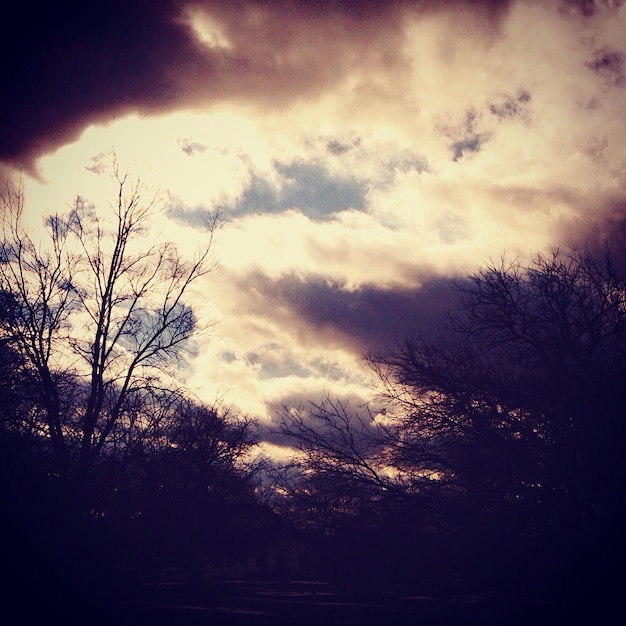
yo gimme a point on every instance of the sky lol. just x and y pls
(364, 156)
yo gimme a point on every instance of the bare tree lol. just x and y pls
(97, 313)
(522, 399)
(503, 439)
(344, 466)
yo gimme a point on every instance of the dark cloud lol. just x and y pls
(471, 143)
(512, 107)
(610, 65)
(191, 147)
(359, 409)
(314, 190)
(100, 163)
(589, 8)
(407, 162)
(307, 187)
(197, 217)
(364, 319)
(597, 229)
(260, 196)
(228, 356)
(71, 64)
(68, 64)
(401, 161)
(336, 147)
(465, 136)
(329, 369)
(273, 363)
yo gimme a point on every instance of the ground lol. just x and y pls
(312, 602)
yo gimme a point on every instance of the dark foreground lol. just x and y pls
(308, 603)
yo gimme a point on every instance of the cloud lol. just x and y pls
(365, 155)
(336, 147)
(192, 147)
(605, 225)
(589, 8)
(273, 362)
(365, 318)
(73, 64)
(257, 361)
(307, 187)
(70, 64)
(466, 135)
(470, 143)
(198, 217)
(313, 190)
(609, 64)
(512, 107)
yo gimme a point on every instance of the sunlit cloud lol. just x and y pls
(357, 159)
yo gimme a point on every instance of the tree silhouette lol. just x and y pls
(98, 437)
(96, 314)
(342, 469)
(524, 396)
(503, 438)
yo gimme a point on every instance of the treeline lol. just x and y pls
(493, 455)
(496, 454)
(110, 469)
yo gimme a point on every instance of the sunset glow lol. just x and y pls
(354, 157)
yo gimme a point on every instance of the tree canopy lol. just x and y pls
(508, 424)
(96, 314)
